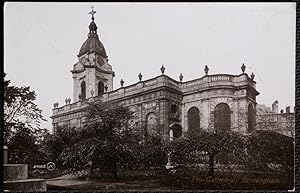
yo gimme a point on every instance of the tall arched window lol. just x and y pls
(151, 124)
(193, 118)
(83, 90)
(251, 118)
(100, 88)
(222, 117)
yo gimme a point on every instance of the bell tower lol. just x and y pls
(92, 74)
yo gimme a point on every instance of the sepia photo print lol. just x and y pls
(149, 96)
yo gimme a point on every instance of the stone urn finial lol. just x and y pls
(243, 67)
(162, 69)
(122, 82)
(106, 87)
(69, 100)
(66, 100)
(252, 76)
(92, 92)
(206, 69)
(55, 105)
(180, 77)
(140, 76)
(79, 96)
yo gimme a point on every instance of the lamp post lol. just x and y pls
(169, 164)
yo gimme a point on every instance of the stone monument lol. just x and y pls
(16, 177)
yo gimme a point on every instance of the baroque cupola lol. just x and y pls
(92, 44)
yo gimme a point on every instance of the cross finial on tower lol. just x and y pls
(92, 12)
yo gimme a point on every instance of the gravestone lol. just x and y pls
(16, 177)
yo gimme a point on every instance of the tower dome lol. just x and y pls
(92, 44)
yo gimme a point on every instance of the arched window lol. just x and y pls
(175, 131)
(193, 118)
(222, 117)
(151, 124)
(100, 88)
(251, 118)
(83, 90)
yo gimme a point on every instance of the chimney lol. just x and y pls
(275, 107)
(287, 109)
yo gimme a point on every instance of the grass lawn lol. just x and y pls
(133, 180)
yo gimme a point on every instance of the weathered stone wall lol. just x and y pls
(156, 96)
(283, 123)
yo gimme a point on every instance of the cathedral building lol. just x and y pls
(161, 105)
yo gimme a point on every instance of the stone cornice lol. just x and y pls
(92, 66)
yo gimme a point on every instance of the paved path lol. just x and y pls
(69, 182)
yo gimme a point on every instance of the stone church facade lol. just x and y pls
(162, 104)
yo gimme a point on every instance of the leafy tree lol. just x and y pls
(268, 147)
(22, 118)
(20, 111)
(22, 148)
(217, 146)
(106, 141)
(152, 152)
(52, 145)
(179, 151)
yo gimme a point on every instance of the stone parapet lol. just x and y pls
(162, 81)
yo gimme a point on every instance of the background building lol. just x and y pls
(270, 119)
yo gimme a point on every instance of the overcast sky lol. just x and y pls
(42, 40)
